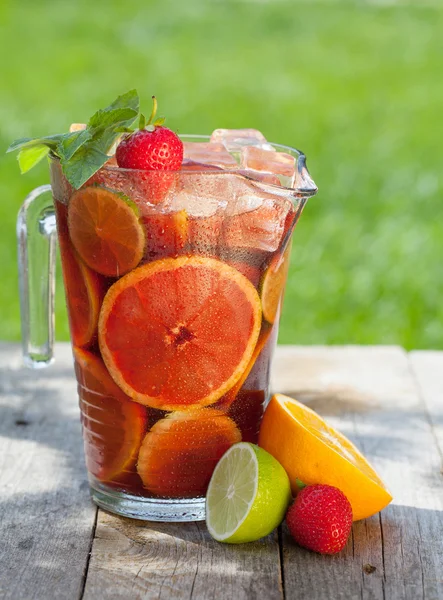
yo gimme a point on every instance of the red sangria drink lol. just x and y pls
(174, 278)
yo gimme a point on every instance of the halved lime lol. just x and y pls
(247, 496)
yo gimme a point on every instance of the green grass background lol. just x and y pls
(357, 85)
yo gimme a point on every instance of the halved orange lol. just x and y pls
(313, 452)
(84, 289)
(113, 425)
(179, 332)
(273, 285)
(180, 452)
(105, 230)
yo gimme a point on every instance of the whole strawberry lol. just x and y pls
(151, 148)
(320, 519)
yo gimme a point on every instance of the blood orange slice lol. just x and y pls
(180, 452)
(179, 332)
(105, 230)
(273, 285)
(84, 289)
(113, 425)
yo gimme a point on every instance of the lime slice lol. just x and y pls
(247, 496)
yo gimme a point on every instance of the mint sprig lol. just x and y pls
(82, 153)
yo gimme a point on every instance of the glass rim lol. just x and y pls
(304, 185)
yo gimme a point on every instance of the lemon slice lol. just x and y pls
(247, 496)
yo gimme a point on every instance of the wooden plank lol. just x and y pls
(427, 366)
(134, 560)
(371, 395)
(46, 517)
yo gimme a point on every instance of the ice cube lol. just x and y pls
(192, 165)
(277, 163)
(202, 194)
(209, 153)
(260, 176)
(235, 139)
(228, 210)
(258, 224)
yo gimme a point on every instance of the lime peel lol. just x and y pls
(247, 496)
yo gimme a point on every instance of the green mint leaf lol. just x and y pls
(142, 121)
(29, 156)
(87, 160)
(117, 117)
(128, 100)
(104, 140)
(83, 153)
(70, 143)
(51, 141)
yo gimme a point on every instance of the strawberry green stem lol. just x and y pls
(154, 110)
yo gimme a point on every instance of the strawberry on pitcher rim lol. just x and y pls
(152, 147)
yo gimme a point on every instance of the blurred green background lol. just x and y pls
(357, 85)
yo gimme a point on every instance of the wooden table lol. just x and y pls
(55, 544)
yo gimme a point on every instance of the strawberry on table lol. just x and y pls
(320, 519)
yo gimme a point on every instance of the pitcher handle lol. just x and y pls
(36, 236)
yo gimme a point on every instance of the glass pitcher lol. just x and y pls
(173, 309)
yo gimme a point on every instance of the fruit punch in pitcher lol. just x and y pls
(174, 252)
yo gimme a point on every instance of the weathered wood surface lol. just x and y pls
(371, 395)
(46, 517)
(428, 370)
(132, 560)
(389, 403)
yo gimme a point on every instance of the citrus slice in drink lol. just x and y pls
(113, 425)
(179, 332)
(84, 289)
(273, 285)
(313, 452)
(105, 230)
(247, 496)
(178, 455)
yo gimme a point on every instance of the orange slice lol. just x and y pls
(84, 289)
(179, 332)
(313, 452)
(113, 425)
(274, 284)
(179, 454)
(105, 230)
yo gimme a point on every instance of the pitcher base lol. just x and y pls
(147, 509)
